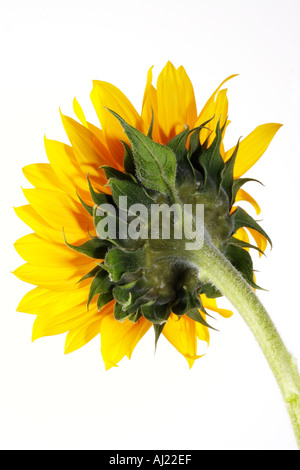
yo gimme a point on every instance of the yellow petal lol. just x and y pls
(57, 322)
(38, 224)
(242, 195)
(58, 279)
(149, 106)
(215, 106)
(64, 164)
(60, 211)
(241, 234)
(40, 252)
(182, 334)
(41, 175)
(119, 339)
(252, 148)
(79, 113)
(211, 304)
(176, 102)
(260, 240)
(90, 152)
(41, 301)
(105, 95)
(80, 336)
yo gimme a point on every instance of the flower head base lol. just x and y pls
(132, 277)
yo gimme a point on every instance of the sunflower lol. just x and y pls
(64, 259)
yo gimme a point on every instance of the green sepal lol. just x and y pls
(243, 244)
(242, 261)
(88, 208)
(111, 172)
(185, 173)
(119, 313)
(210, 291)
(212, 162)
(119, 262)
(94, 248)
(128, 161)
(156, 313)
(90, 274)
(227, 175)
(238, 183)
(158, 331)
(242, 219)
(104, 299)
(195, 315)
(134, 192)
(97, 197)
(155, 163)
(150, 130)
(100, 285)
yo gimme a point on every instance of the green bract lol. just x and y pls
(153, 277)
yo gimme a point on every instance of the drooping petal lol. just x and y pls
(176, 102)
(105, 95)
(119, 339)
(211, 304)
(242, 195)
(182, 334)
(252, 147)
(260, 240)
(79, 113)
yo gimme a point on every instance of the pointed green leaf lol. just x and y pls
(227, 175)
(242, 219)
(242, 261)
(238, 183)
(100, 285)
(111, 172)
(119, 262)
(155, 163)
(128, 161)
(194, 314)
(242, 244)
(94, 248)
(104, 299)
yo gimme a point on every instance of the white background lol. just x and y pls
(50, 52)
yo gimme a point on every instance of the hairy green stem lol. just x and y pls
(215, 268)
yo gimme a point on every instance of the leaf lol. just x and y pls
(111, 172)
(88, 208)
(211, 160)
(242, 219)
(243, 244)
(98, 198)
(119, 262)
(94, 248)
(104, 299)
(156, 313)
(92, 273)
(128, 161)
(155, 163)
(194, 314)
(242, 261)
(238, 183)
(227, 175)
(134, 192)
(101, 284)
(185, 173)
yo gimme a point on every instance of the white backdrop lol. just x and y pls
(50, 52)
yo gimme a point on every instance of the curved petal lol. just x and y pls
(28, 215)
(176, 102)
(260, 240)
(242, 195)
(119, 339)
(104, 95)
(252, 148)
(182, 334)
(211, 304)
